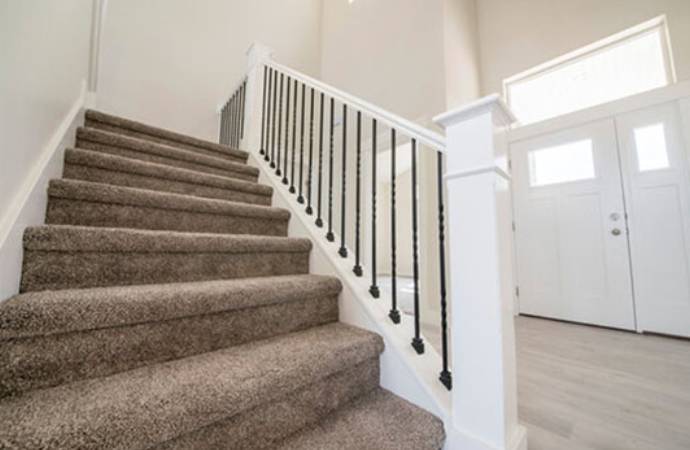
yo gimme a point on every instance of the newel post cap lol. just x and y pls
(493, 104)
(258, 53)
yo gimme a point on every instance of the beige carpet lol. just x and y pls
(164, 306)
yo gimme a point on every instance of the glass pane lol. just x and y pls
(650, 142)
(629, 67)
(568, 162)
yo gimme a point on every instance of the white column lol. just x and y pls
(257, 55)
(484, 395)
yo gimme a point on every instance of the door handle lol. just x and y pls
(616, 232)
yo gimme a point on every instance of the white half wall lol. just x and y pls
(517, 35)
(45, 54)
(170, 63)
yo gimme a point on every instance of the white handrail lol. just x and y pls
(423, 135)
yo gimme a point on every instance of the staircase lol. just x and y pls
(164, 306)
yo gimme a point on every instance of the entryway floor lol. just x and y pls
(582, 387)
(588, 388)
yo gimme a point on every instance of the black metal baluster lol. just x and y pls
(220, 128)
(231, 120)
(300, 197)
(294, 139)
(357, 269)
(280, 124)
(373, 289)
(394, 314)
(235, 100)
(330, 236)
(417, 342)
(309, 209)
(343, 250)
(445, 375)
(244, 99)
(262, 147)
(268, 114)
(273, 119)
(287, 132)
(319, 220)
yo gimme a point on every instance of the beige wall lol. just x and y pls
(515, 35)
(45, 56)
(389, 52)
(171, 62)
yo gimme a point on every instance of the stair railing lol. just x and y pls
(304, 159)
(306, 131)
(232, 116)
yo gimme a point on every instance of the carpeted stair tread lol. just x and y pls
(76, 202)
(377, 421)
(102, 120)
(120, 145)
(67, 256)
(264, 427)
(88, 165)
(152, 404)
(67, 310)
(55, 337)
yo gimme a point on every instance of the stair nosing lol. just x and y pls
(147, 198)
(153, 241)
(19, 308)
(121, 122)
(195, 158)
(73, 155)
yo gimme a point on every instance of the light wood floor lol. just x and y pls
(582, 387)
(587, 388)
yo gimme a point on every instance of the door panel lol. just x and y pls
(569, 264)
(656, 179)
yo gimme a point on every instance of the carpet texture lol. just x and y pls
(163, 306)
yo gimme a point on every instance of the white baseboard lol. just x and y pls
(28, 206)
(457, 440)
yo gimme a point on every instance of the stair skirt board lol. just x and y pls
(163, 306)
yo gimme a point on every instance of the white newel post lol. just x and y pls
(484, 395)
(257, 55)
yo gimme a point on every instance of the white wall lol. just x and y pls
(45, 57)
(172, 62)
(516, 35)
(389, 52)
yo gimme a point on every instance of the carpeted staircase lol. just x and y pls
(163, 306)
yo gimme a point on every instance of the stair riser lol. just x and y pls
(64, 270)
(160, 159)
(43, 361)
(99, 175)
(62, 211)
(263, 427)
(158, 139)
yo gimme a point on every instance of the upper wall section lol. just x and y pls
(170, 62)
(44, 48)
(389, 52)
(517, 35)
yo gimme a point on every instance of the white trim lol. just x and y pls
(639, 101)
(423, 135)
(492, 103)
(477, 171)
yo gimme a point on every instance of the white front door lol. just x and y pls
(657, 182)
(571, 240)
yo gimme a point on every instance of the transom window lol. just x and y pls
(634, 61)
